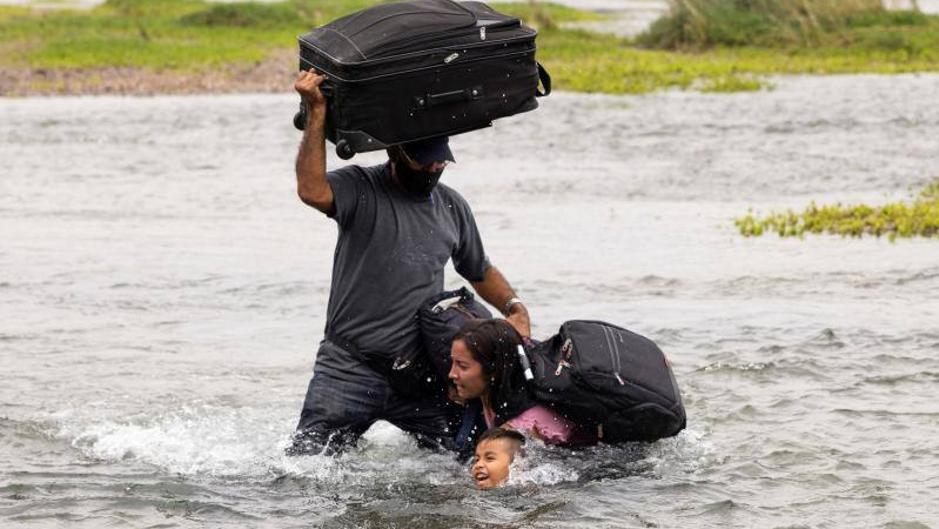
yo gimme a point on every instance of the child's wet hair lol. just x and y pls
(497, 432)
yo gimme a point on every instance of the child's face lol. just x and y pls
(493, 457)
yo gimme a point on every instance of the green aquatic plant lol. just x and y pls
(918, 217)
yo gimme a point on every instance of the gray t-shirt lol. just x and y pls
(391, 254)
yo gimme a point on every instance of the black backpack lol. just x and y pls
(423, 371)
(441, 317)
(600, 374)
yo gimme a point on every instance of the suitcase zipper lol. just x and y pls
(380, 60)
(396, 45)
(457, 5)
(396, 74)
(482, 30)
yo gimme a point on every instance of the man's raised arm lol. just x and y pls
(312, 186)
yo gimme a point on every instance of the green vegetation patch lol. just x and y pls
(195, 36)
(861, 28)
(853, 36)
(705, 23)
(13, 11)
(919, 217)
(244, 15)
(186, 35)
(544, 16)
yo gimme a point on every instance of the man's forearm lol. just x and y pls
(312, 186)
(497, 291)
(494, 288)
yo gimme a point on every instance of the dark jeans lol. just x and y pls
(346, 396)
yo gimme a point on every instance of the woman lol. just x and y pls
(485, 366)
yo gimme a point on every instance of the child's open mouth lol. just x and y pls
(481, 478)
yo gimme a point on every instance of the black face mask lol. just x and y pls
(417, 182)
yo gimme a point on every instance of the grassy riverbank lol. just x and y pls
(154, 46)
(918, 217)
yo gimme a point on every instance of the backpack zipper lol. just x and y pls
(567, 349)
(619, 357)
(614, 356)
(614, 360)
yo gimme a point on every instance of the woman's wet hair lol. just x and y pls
(493, 343)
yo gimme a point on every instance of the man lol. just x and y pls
(397, 230)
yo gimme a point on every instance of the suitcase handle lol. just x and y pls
(327, 89)
(299, 119)
(447, 98)
(545, 79)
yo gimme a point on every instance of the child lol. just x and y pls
(495, 451)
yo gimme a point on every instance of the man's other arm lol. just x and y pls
(312, 186)
(495, 289)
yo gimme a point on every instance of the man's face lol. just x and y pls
(433, 167)
(493, 457)
(415, 177)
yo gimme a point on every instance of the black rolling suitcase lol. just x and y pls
(406, 71)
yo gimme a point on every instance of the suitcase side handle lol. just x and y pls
(545, 79)
(299, 119)
(428, 101)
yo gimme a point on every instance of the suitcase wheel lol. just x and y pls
(344, 150)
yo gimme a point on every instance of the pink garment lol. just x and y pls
(552, 428)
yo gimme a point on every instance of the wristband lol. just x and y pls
(509, 304)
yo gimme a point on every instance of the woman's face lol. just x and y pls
(466, 373)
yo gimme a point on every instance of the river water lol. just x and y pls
(162, 292)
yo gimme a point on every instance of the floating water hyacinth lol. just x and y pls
(918, 218)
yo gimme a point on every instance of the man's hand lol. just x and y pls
(308, 86)
(518, 318)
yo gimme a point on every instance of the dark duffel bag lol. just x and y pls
(407, 71)
(441, 317)
(424, 370)
(600, 374)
